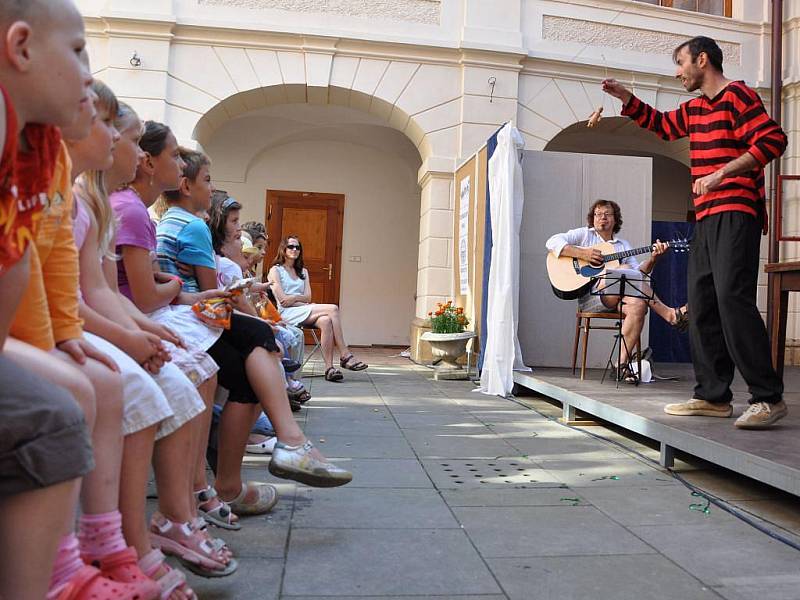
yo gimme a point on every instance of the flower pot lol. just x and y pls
(448, 347)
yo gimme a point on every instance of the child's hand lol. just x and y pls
(212, 294)
(143, 346)
(163, 332)
(79, 350)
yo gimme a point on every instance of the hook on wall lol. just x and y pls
(492, 82)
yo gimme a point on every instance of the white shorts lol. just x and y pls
(168, 399)
(195, 362)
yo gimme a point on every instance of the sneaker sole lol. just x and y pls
(307, 478)
(764, 424)
(699, 413)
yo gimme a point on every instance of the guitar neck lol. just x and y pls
(627, 253)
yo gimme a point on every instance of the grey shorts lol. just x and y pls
(43, 435)
(593, 303)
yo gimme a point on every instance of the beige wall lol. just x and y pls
(381, 225)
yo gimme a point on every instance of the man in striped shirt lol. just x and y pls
(731, 141)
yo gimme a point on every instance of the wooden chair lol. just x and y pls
(583, 320)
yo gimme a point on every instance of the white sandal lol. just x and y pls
(221, 515)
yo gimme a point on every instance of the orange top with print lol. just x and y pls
(48, 312)
(24, 179)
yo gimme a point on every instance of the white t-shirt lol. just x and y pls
(227, 271)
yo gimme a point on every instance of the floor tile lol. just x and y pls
(361, 562)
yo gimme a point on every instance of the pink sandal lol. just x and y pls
(194, 550)
(123, 567)
(89, 584)
(170, 581)
(200, 527)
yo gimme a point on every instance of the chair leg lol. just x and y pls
(317, 345)
(578, 320)
(586, 328)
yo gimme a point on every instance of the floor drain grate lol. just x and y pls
(485, 473)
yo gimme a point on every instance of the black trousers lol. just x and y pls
(231, 350)
(726, 328)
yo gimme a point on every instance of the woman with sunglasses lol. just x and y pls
(292, 288)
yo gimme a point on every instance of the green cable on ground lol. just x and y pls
(699, 505)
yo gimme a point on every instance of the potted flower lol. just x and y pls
(448, 340)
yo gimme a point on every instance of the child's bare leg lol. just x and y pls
(137, 454)
(31, 525)
(201, 426)
(173, 474)
(100, 490)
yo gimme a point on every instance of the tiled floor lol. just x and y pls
(457, 495)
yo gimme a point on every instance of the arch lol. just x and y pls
(254, 100)
(209, 85)
(617, 135)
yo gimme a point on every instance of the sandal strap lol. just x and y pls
(150, 562)
(121, 558)
(206, 495)
(171, 580)
(240, 496)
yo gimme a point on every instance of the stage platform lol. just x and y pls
(770, 456)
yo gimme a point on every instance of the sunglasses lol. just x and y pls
(292, 247)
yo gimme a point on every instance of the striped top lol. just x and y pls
(185, 238)
(720, 130)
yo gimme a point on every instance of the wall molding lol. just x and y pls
(415, 11)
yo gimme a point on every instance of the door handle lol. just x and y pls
(329, 269)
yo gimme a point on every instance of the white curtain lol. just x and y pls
(502, 354)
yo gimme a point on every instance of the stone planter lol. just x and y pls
(448, 347)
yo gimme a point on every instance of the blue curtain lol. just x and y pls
(669, 282)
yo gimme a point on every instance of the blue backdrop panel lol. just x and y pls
(491, 146)
(669, 282)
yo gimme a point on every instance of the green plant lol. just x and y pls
(448, 318)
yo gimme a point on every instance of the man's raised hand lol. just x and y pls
(612, 87)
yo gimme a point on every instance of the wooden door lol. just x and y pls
(317, 219)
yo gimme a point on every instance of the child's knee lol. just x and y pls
(107, 385)
(82, 390)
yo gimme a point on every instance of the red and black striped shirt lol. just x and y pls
(720, 130)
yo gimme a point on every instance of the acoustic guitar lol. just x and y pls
(573, 277)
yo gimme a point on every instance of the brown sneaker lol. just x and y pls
(762, 415)
(699, 408)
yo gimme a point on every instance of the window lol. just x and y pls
(709, 7)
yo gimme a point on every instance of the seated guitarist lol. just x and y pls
(604, 221)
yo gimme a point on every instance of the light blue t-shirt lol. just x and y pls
(184, 237)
